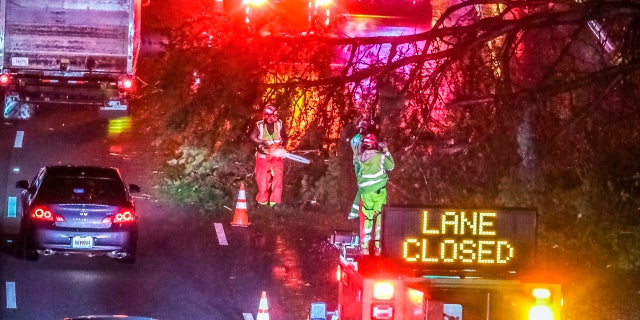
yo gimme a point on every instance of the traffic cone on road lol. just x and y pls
(240, 216)
(263, 308)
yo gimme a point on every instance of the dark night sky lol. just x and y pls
(171, 13)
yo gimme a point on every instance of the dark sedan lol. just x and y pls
(79, 209)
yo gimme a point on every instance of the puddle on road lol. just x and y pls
(286, 268)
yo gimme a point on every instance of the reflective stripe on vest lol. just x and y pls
(374, 175)
(264, 133)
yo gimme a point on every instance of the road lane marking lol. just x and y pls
(222, 239)
(247, 316)
(11, 295)
(11, 207)
(19, 138)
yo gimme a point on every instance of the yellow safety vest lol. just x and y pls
(267, 137)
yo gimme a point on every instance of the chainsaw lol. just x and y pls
(280, 152)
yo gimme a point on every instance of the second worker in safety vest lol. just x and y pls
(270, 136)
(375, 162)
(365, 126)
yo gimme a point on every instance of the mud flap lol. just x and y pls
(16, 109)
(114, 109)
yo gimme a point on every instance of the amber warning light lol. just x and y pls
(460, 239)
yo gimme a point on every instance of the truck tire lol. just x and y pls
(16, 109)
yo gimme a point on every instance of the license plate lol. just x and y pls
(20, 61)
(82, 242)
(114, 105)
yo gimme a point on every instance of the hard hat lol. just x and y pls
(269, 110)
(369, 141)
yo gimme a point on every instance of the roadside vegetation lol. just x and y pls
(510, 104)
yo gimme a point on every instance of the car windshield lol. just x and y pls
(68, 189)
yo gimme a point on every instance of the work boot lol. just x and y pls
(364, 249)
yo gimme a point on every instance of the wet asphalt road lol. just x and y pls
(186, 269)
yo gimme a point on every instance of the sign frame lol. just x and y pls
(457, 239)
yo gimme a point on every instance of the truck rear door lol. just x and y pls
(68, 35)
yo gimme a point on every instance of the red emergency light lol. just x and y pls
(125, 84)
(323, 3)
(5, 79)
(254, 3)
(383, 290)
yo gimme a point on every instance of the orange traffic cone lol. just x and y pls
(263, 308)
(240, 216)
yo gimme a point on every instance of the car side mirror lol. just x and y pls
(22, 184)
(134, 188)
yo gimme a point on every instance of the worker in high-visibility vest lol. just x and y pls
(269, 134)
(365, 126)
(375, 163)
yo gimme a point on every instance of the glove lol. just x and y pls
(277, 150)
(263, 147)
(383, 147)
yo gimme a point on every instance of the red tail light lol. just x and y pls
(5, 79)
(124, 216)
(125, 84)
(43, 213)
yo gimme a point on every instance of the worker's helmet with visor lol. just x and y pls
(369, 141)
(269, 110)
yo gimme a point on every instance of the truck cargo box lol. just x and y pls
(67, 52)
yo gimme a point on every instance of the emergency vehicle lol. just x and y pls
(444, 263)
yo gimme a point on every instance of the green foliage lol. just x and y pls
(197, 176)
(336, 187)
(189, 178)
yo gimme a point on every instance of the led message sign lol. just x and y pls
(460, 239)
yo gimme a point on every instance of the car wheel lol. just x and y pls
(26, 249)
(8, 246)
(131, 250)
(28, 253)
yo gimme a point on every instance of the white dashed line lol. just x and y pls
(11, 207)
(247, 316)
(222, 239)
(19, 138)
(11, 295)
